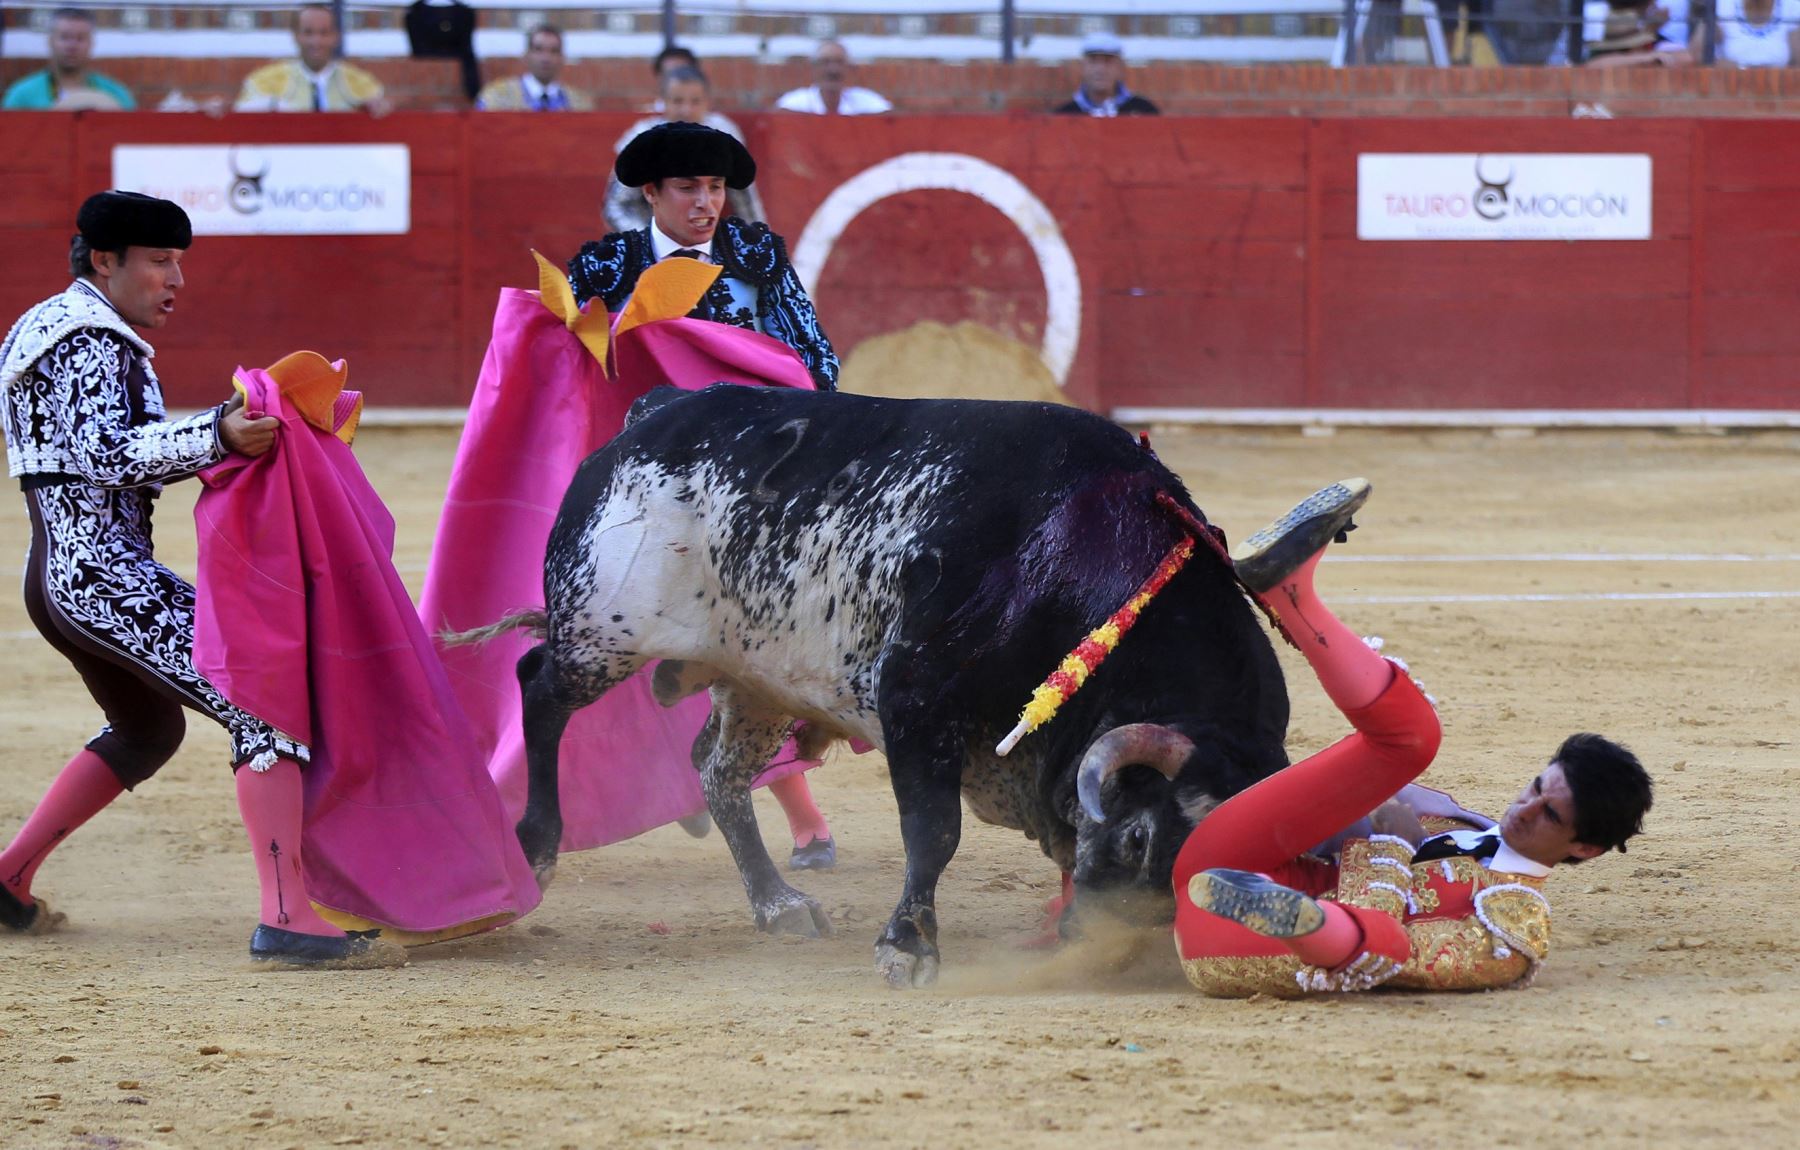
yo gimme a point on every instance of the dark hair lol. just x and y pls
(685, 75)
(81, 14)
(325, 8)
(539, 29)
(81, 256)
(671, 52)
(1610, 788)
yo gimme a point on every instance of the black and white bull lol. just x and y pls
(906, 572)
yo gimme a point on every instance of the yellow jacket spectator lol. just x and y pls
(316, 82)
(537, 88)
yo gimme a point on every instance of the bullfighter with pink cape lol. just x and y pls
(302, 621)
(544, 402)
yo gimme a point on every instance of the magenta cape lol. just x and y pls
(302, 621)
(543, 405)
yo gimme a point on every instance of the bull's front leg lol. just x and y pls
(749, 735)
(551, 690)
(928, 787)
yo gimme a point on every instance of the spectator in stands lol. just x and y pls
(686, 97)
(67, 83)
(1754, 34)
(1103, 91)
(1627, 42)
(1670, 20)
(316, 82)
(536, 89)
(671, 57)
(445, 30)
(831, 92)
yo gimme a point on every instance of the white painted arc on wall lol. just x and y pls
(1000, 189)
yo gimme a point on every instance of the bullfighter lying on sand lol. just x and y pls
(1459, 910)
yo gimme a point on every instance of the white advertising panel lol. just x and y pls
(276, 189)
(1495, 196)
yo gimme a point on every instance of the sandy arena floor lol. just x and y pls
(1665, 1017)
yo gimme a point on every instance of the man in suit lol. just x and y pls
(1257, 911)
(537, 89)
(317, 81)
(683, 171)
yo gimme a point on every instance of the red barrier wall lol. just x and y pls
(1217, 257)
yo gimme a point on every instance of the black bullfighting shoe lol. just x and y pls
(818, 854)
(291, 950)
(1269, 556)
(1256, 903)
(37, 918)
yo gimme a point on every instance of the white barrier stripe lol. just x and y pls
(1569, 557)
(1573, 597)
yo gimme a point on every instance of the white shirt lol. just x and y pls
(536, 90)
(1756, 45)
(851, 102)
(662, 247)
(1505, 860)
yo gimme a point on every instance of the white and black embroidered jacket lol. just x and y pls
(79, 401)
(771, 299)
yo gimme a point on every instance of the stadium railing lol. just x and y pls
(1338, 32)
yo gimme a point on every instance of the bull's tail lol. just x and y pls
(532, 619)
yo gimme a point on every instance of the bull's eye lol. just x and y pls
(1137, 839)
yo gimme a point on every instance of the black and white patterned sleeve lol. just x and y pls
(791, 319)
(85, 376)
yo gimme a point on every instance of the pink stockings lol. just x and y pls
(1266, 828)
(83, 788)
(805, 821)
(271, 802)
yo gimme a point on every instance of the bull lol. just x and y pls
(906, 572)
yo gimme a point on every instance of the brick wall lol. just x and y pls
(1184, 89)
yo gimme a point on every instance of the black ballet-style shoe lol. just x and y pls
(1266, 558)
(818, 854)
(23, 918)
(356, 950)
(1256, 903)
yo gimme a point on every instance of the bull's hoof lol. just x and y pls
(799, 916)
(545, 875)
(697, 825)
(904, 970)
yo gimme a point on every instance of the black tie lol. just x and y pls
(686, 254)
(1445, 846)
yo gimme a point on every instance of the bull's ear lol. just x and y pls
(1196, 805)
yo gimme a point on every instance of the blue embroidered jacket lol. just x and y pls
(750, 253)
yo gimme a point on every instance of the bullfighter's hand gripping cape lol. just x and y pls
(556, 385)
(302, 621)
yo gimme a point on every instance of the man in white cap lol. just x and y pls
(1103, 91)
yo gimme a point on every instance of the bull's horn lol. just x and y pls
(1151, 744)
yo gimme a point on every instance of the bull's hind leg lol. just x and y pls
(552, 691)
(749, 735)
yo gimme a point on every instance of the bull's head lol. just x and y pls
(1141, 790)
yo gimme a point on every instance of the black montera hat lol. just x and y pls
(681, 149)
(114, 221)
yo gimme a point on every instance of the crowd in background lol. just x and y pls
(318, 79)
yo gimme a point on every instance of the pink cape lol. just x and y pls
(543, 405)
(302, 621)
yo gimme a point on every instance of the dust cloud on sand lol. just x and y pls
(638, 1006)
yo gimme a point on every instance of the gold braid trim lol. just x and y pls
(1235, 976)
(1376, 874)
